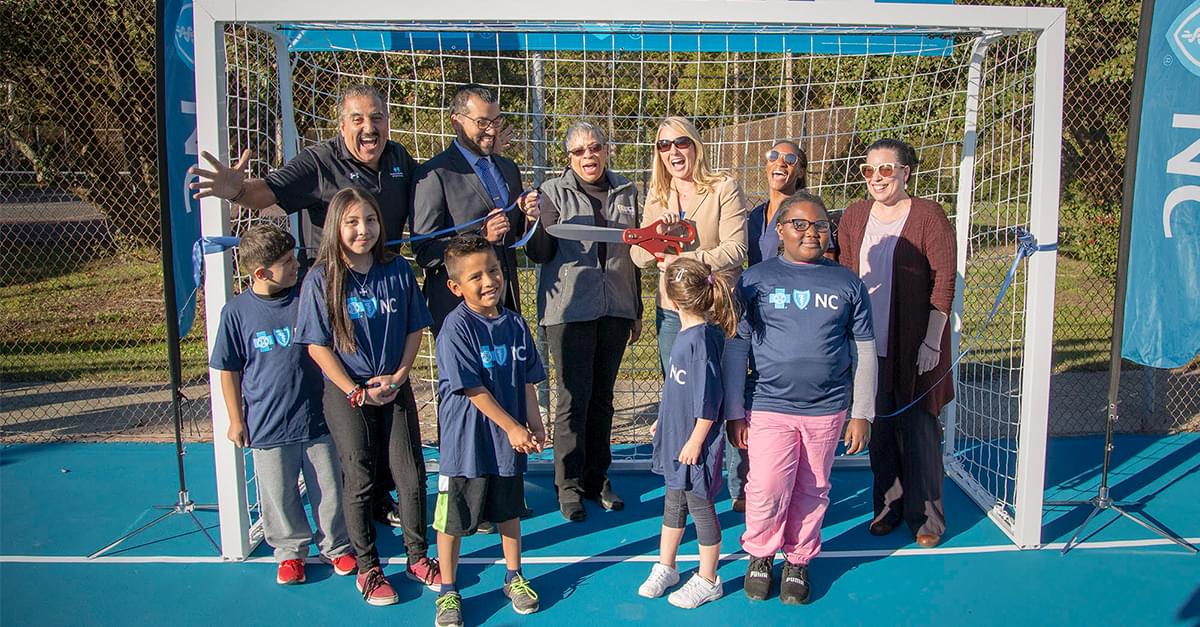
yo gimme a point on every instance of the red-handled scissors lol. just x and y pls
(647, 237)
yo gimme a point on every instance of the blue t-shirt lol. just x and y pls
(281, 386)
(498, 354)
(763, 238)
(385, 306)
(692, 390)
(801, 320)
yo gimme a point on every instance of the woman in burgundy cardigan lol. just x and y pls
(903, 248)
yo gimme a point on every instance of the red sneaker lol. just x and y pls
(375, 588)
(290, 572)
(427, 571)
(342, 565)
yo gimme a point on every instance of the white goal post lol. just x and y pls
(977, 90)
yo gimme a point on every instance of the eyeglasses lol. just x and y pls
(800, 224)
(885, 169)
(590, 148)
(484, 124)
(789, 158)
(683, 143)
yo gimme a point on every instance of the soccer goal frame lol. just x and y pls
(995, 431)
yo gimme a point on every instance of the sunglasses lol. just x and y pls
(683, 143)
(789, 158)
(590, 148)
(800, 224)
(885, 169)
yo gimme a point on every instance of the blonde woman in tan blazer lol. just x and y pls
(683, 184)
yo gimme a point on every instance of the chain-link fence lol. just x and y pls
(83, 355)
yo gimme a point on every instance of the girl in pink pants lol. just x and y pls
(807, 325)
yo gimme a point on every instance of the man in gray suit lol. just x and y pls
(467, 181)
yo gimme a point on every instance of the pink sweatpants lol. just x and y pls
(787, 491)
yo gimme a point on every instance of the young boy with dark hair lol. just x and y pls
(488, 421)
(273, 394)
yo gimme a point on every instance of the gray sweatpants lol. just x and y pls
(285, 525)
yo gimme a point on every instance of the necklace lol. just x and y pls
(362, 285)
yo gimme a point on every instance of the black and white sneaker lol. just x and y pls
(793, 585)
(758, 578)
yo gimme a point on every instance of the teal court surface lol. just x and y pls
(60, 502)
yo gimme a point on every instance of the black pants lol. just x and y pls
(588, 356)
(359, 433)
(906, 461)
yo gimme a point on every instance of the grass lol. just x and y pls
(102, 321)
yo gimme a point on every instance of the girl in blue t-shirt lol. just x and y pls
(687, 439)
(362, 317)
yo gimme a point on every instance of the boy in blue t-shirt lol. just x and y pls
(273, 393)
(488, 420)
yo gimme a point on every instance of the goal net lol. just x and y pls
(977, 91)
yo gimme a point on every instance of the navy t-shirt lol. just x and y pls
(692, 390)
(498, 354)
(385, 305)
(281, 386)
(801, 320)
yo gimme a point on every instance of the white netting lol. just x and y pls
(833, 91)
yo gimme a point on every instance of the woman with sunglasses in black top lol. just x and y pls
(904, 250)
(684, 187)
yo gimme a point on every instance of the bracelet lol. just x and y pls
(926, 344)
(358, 396)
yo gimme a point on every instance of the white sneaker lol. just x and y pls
(696, 592)
(661, 577)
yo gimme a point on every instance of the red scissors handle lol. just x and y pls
(657, 243)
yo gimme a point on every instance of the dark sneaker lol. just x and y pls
(485, 527)
(389, 517)
(608, 499)
(524, 599)
(573, 511)
(793, 584)
(758, 578)
(448, 610)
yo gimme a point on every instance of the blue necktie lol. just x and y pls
(494, 190)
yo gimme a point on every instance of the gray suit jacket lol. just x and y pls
(448, 192)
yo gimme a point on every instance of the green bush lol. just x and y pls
(1090, 231)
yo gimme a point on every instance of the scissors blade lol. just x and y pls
(585, 233)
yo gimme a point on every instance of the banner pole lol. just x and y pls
(1102, 501)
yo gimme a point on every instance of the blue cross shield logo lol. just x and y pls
(396, 172)
(780, 298)
(802, 297)
(485, 355)
(500, 354)
(370, 306)
(1184, 37)
(283, 336)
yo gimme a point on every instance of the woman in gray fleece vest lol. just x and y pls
(589, 301)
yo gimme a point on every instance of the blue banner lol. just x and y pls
(1162, 305)
(180, 88)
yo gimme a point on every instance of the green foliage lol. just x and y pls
(1090, 229)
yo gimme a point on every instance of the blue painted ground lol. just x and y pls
(70, 499)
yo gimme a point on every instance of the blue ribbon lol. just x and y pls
(1026, 246)
(220, 243)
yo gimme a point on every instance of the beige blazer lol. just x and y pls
(719, 216)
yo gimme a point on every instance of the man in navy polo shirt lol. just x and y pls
(360, 156)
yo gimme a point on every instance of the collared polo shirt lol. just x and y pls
(310, 180)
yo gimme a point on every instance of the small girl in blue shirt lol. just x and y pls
(688, 446)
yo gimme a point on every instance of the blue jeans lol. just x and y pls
(666, 323)
(737, 465)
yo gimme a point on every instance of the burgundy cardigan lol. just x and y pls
(923, 273)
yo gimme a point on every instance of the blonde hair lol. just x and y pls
(704, 177)
(695, 288)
